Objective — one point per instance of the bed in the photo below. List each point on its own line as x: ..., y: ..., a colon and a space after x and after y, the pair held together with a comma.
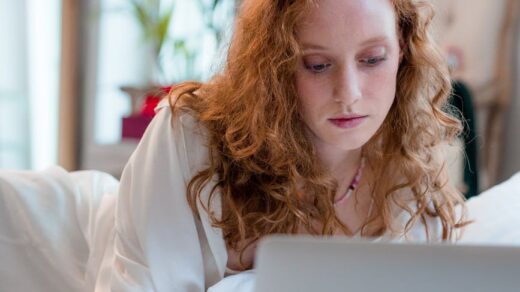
x: 56, y: 229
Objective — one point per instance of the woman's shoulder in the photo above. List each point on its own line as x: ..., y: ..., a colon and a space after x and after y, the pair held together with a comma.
x: 179, y: 117
x: 179, y: 133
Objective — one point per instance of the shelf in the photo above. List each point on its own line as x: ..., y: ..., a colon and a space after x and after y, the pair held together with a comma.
x: 110, y: 158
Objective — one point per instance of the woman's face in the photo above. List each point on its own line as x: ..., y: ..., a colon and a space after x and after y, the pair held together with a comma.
x: 346, y: 79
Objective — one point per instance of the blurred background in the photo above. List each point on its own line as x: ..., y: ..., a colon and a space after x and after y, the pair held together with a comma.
x: 79, y: 78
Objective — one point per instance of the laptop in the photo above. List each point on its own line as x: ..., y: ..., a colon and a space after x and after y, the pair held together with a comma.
x: 305, y: 264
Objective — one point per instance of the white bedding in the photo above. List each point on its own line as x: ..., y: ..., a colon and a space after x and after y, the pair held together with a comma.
x: 496, y: 215
x: 56, y: 229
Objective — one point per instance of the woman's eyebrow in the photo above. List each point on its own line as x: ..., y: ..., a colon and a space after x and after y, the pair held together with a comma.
x: 375, y: 40
x: 366, y: 43
x: 311, y: 46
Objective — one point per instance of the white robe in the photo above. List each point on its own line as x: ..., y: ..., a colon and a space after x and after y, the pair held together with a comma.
x: 159, y: 244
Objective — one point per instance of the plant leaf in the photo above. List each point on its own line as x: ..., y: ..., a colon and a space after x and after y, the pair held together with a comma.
x: 143, y: 17
x: 163, y: 27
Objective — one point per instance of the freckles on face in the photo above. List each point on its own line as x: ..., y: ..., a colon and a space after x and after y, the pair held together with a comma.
x: 346, y: 77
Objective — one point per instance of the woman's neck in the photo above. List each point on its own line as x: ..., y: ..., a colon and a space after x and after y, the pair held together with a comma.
x: 341, y: 164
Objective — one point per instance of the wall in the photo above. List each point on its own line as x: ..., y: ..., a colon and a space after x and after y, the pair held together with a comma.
x: 511, y: 158
x: 474, y: 27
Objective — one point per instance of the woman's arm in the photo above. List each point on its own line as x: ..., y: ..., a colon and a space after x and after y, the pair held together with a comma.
x: 156, y: 243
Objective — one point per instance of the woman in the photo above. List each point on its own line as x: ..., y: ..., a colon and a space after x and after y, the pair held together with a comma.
x: 327, y: 119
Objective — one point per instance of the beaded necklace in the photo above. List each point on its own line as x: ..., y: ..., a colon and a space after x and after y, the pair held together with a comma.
x: 353, y: 185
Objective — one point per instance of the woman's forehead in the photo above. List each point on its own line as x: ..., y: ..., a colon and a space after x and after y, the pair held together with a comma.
x: 354, y: 20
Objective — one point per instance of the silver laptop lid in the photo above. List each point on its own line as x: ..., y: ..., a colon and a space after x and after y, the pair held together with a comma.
x: 338, y: 264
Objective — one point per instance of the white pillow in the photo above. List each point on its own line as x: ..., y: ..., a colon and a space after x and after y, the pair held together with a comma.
x: 55, y: 229
x: 496, y: 215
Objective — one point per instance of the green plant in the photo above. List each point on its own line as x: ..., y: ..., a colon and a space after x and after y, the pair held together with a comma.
x: 155, y: 24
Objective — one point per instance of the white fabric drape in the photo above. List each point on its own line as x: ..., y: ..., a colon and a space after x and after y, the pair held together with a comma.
x: 14, y: 128
x: 29, y: 76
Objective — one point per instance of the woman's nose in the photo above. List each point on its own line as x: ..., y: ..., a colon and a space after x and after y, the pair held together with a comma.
x: 348, y: 87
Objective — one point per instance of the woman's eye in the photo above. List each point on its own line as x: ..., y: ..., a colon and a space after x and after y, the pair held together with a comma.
x: 373, y: 61
x: 317, y: 68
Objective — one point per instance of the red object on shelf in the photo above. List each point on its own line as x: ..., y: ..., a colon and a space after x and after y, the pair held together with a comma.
x: 135, y: 125
x: 150, y: 103
x: 152, y: 100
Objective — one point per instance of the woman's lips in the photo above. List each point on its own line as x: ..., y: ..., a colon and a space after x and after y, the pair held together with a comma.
x: 348, y: 122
